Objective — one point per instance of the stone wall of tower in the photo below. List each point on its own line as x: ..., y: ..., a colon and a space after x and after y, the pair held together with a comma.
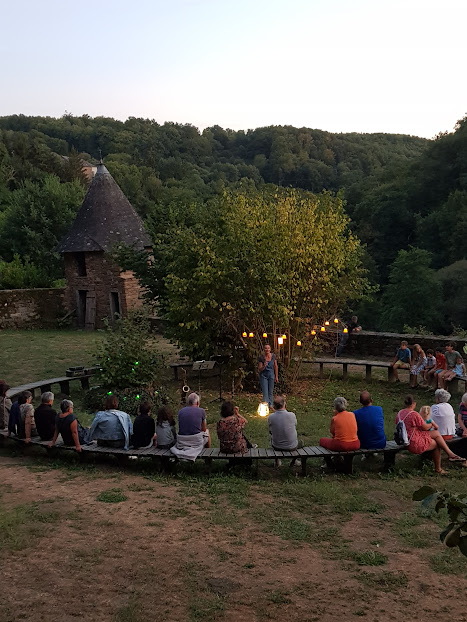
x: 103, y: 283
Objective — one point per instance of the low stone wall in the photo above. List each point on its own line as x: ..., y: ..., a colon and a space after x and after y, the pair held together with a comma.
x: 384, y: 345
x: 31, y: 308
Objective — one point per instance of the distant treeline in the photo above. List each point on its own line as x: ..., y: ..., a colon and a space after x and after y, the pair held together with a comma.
x: 400, y: 191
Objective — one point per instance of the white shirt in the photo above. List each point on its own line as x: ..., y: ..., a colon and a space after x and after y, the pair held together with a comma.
x: 443, y: 415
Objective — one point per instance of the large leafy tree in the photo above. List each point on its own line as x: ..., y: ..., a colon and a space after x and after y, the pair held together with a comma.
x: 276, y: 260
x: 413, y: 295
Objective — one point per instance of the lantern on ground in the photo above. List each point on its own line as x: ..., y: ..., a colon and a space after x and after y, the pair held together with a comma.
x: 263, y: 409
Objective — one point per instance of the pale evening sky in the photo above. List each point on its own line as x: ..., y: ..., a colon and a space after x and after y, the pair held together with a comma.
x: 337, y: 65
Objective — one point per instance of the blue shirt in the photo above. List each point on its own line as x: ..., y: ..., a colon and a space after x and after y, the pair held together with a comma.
x: 403, y: 355
x: 370, y: 423
x: 190, y: 420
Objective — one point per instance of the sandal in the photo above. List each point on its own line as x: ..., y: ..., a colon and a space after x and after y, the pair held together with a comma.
x: 441, y: 472
x: 457, y: 459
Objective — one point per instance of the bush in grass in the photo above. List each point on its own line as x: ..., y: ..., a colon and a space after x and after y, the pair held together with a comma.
x: 130, y: 365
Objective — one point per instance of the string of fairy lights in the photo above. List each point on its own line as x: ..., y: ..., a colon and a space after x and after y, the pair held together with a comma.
x: 281, y: 338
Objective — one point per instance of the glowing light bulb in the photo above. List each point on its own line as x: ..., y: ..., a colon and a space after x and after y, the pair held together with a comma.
x: 336, y: 321
x: 346, y: 330
x: 323, y: 330
x: 244, y: 334
x: 109, y: 392
x: 265, y: 335
x: 299, y: 343
x: 280, y: 340
x: 326, y: 323
x: 263, y: 410
x: 251, y: 335
x: 284, y: 336
x: 313, y: 332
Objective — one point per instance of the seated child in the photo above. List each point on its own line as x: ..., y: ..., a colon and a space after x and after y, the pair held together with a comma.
x: 431, y: 375
x: 402, y: 360
x: 165, y: 428
x: 457, y: 371
x: 430, y: 365
x: 425, y: 413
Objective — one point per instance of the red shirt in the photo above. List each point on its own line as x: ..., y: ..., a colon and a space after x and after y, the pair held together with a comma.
x: 440, y: 361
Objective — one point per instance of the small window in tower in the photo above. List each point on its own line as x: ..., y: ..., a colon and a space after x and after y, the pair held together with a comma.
x: 80, y: 264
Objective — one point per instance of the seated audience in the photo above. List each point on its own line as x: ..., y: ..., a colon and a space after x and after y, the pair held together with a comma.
x: 166, y: 434
x: 66, y: 425
x: 370, y: 423
x: 144, y: 428
x: 442, y: 413
x: 424, y: 436
x: 462, y: 416
x: 431, y: 376
x: 111, y: 427
x: 418, y: 364
x: 451, y: 358
x: 343, y: 429
x: 5, y: 406
x: 14, y: 422
x: 27, y: 427
x: 402, y: 360
x: 45, y: 416
x: 193, y: 434
x: 230, y: 430
x: 283, y: 428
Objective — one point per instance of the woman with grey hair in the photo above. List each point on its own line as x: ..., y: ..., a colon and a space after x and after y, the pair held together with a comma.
x: 442, y: 413
x: 343, y: 429
x: 27, y: 425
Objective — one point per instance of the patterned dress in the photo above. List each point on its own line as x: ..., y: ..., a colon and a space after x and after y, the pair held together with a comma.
x: 230, y: 435
x: 420, y: 440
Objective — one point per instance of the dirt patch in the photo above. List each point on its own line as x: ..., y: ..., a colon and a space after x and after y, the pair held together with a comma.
x: 164, y: 554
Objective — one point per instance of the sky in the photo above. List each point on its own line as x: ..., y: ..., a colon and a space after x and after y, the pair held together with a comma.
x: 337, y: 65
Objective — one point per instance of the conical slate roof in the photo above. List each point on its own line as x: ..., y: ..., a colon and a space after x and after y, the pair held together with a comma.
x: 105, y: 218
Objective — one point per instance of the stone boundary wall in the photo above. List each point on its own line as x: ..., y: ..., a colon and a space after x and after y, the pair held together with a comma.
x: 31, y: 308
x: 384, y: 345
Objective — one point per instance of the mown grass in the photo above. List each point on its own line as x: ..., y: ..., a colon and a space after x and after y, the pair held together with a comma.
x: 22, y: 524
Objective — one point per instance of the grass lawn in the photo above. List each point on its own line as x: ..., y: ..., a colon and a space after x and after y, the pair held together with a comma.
x: 244, y: 546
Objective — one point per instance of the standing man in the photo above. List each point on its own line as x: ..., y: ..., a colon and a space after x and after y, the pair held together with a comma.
x: 370, y: 423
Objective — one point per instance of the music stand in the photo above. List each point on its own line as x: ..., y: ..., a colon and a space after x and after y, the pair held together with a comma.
x: 199, y: 366
x: 220, y: 359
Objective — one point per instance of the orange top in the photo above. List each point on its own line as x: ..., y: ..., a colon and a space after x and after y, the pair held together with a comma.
x: 344, y: 427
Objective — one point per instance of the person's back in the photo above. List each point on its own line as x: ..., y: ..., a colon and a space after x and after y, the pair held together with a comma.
x: 63, y: 423
x: 370, y: 427
x: 45, y: 417
x: 190, y: 420
x: 345, y: 427
x: 283, y: 428
x: 111, y: 427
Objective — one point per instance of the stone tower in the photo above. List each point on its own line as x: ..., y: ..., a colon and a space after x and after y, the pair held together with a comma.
x: 95, y: 286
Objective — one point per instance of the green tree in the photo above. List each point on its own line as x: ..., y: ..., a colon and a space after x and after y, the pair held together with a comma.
x: 36, y: 218
x: 413, y: 295
x: 276, y: 260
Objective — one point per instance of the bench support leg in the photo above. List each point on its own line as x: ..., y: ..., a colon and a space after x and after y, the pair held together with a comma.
x: 175, y: 370
x: 391, y: 376
x: 321, y: 370
x: 85, y: 383
x: 389, y: 460
x: 348, y: 465
x: 303, y: 461
x: 65, y: 387
x: 208, y: 465
x: 344, y: 371
x: 368, y: 373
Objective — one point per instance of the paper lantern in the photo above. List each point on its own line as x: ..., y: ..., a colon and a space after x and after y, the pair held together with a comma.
x: 326, y: 323
x: 313, y: 332
x: 265, y: 335
x: 280, y: 341
x: 263, y: 409
x: 346, y: 330
x: 299, y: 343
x: 336, y: 321
x: 323, y: 329
x: 284, y: 336
x: 244, y: 334
x: 251, y: 335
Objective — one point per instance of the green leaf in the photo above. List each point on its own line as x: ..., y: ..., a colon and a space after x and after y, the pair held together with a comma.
x: 423, y: 492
